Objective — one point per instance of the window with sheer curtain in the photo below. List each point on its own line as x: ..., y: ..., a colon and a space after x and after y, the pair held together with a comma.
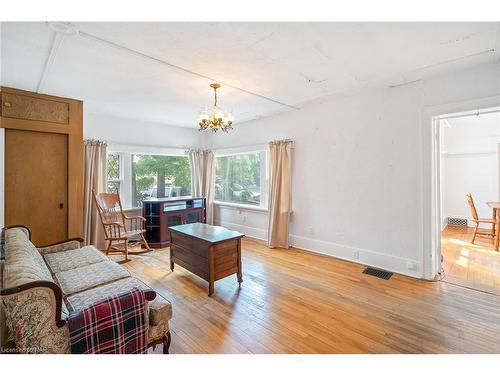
x: 242, y: 179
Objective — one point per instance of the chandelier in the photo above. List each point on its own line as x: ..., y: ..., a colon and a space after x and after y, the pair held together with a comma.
x: 217, y: 119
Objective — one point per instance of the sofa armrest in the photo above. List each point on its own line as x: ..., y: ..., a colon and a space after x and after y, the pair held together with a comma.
x: 69, y: 244
x: 150, y: 294
x: 5, y: 293
x: 33, y: 317
x: 26, y: 229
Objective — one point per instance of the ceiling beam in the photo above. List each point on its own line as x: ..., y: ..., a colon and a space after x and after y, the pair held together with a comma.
x: 54, y: 48
x: 497, y: 44
x: 177, y: 67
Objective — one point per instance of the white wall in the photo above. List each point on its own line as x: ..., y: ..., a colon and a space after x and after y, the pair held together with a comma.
x: 470, y: 164
x: 361, y: 170
x: 116, y: 130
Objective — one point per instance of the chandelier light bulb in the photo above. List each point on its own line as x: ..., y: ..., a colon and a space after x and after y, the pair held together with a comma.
x: 203, y: 115
x: 218, y: 113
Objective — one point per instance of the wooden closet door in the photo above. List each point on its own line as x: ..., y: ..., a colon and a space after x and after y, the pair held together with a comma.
x: 36, y: 183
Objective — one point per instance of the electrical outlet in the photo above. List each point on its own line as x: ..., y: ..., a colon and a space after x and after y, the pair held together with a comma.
x: 310, y: 230
x: 411, y: 266
x: 355, y: 254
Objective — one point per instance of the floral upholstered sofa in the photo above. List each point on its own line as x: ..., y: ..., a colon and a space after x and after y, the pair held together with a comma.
x: 41, y: 286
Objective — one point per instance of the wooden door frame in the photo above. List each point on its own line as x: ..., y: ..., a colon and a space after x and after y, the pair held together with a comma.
x: 74, y: 131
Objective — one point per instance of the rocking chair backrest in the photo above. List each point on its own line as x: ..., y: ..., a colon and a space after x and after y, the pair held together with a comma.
x: 110, y: 208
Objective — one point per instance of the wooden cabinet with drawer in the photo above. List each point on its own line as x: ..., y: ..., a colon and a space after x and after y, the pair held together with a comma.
x: 210, y: 252
x: 163, y: 213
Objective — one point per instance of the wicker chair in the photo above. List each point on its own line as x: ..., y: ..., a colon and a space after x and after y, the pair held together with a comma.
x: 119, y: 229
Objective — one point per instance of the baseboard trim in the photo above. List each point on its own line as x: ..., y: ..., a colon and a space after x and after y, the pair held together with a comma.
x: 366, y: 257
x: 257, y: 233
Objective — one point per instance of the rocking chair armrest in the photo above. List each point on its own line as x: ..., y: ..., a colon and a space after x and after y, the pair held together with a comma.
x: 142, y: 218
x: 114, y: 223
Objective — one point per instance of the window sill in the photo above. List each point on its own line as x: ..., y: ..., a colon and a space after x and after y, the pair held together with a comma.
x: 241, y: 206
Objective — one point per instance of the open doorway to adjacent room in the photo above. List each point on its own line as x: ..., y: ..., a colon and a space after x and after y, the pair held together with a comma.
x: 469, y: 191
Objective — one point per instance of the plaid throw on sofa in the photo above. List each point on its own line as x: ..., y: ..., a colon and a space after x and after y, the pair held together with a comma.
x: 116, y: 325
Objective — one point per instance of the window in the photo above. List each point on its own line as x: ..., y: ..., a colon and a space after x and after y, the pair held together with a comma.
x: 242, y: 179
x: 157, y: 176
x: 114, y: 173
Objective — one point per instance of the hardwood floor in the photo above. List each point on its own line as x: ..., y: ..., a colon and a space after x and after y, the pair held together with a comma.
x: 292, y: 301
x: 472, y: 265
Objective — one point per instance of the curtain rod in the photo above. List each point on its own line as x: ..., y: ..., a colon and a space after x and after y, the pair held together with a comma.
x: 266, y: 145
x: 242, y: 146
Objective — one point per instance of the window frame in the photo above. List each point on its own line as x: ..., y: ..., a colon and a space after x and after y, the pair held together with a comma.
x: 126, y: 153
x: 132, y: 154
x: 120, y: 170
x: 264, y: 176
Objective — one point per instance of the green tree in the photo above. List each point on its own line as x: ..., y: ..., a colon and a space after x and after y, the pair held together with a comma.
x: 237, y: 176
x: 160, y: 171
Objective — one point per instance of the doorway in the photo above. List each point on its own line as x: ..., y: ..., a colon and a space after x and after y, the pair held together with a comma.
x: 469, y: 163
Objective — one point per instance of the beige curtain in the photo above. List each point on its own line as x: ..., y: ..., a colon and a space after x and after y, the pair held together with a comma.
x: 203, y: 178
x: 95, y: 165
x: 280, y: 193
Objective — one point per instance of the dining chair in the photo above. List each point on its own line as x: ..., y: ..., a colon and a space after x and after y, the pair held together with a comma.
x: 478, y: 232
x: 120, y: 230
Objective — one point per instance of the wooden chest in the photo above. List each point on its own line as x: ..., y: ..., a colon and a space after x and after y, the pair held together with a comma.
x: 210, y: 252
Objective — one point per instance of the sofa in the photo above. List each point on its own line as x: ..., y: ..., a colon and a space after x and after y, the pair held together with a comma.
x: 42, y: 286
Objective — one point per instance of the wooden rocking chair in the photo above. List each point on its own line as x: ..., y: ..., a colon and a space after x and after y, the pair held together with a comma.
x: 119, y: 229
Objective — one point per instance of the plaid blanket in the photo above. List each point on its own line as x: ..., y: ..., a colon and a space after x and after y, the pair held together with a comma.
x: 116, y: 325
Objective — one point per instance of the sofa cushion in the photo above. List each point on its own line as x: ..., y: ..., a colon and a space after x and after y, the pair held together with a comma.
x: 83, y: 278
x: 23, y: 262
x: 70, y: 259
x: 160, y: 310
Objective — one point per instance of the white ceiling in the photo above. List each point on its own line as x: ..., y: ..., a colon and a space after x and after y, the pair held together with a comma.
x: 291, y: 63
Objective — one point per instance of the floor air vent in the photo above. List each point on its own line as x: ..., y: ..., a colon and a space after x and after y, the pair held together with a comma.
x: 381, y: 274
x: 456, y: 221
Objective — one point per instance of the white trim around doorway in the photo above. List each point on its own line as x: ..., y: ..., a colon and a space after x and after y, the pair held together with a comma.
x: 431, y: 185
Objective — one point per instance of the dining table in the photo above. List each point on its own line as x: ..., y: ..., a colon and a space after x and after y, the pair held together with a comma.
x: 495, y: 206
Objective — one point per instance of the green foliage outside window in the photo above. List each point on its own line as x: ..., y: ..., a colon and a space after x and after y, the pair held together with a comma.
x: 160, y: 176
x: 237, y: 178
